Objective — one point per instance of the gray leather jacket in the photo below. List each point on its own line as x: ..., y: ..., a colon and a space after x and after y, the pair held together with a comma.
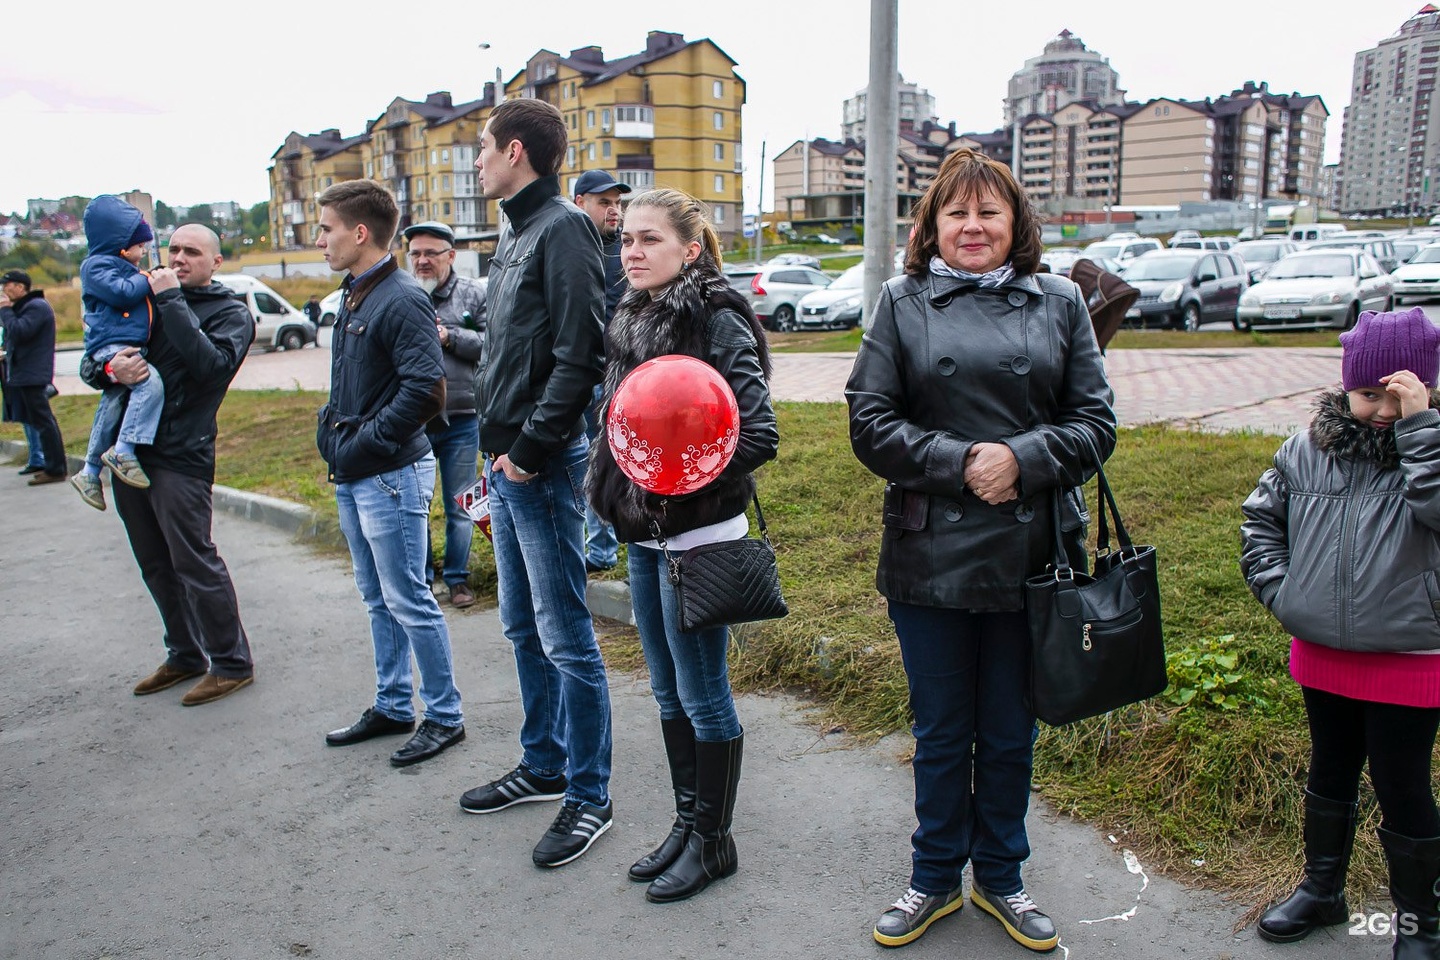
x: 460, y: 305
x: 947, y: 364
x: 1342, y: 535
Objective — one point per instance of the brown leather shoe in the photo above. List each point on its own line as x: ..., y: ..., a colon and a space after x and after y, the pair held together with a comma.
x: 213, y: 688
x: 164, y: 677
x: 43, y: 477
x: 461, y: 596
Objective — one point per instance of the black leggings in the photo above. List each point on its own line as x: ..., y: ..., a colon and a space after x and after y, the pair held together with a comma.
x: 1399, y: 742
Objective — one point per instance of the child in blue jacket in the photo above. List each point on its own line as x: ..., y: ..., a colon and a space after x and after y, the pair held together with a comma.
x: 119, y: 311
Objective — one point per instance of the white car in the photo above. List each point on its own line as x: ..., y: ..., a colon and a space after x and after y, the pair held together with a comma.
x: 836, y: 307
x: 278, y: 325
x: 1316, y: 288
x: 1418, y: 278
x: 330, y: 307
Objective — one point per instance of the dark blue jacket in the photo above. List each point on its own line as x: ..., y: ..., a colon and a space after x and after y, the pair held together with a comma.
x: 387, y: 377
x: 29, y: 341
x: 114, y: 292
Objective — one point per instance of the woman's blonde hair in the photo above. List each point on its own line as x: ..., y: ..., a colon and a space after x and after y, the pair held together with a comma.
x: 686, y: 217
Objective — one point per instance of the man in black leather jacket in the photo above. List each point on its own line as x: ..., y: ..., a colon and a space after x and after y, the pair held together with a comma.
x: 544, y: 353
x: 199, y: 340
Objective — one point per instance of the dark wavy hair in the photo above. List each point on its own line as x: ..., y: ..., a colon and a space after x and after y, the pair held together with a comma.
x: 963, y: 175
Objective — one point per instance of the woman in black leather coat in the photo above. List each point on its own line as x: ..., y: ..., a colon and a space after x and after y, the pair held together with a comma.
x: 979, y: 394
x: 679, y: 303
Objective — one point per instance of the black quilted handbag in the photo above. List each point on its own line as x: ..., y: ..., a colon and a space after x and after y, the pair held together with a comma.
x: 734, y: 581
x: 1095, y: 641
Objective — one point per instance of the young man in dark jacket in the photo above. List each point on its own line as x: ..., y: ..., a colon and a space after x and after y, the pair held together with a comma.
x: 29, y: 326
x: 544, y: 353
x: 387, y: 380
x: 460, y: 321
x: 200, y: 337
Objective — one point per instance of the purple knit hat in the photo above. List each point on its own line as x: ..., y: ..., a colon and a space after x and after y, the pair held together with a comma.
x: 1383, y: 343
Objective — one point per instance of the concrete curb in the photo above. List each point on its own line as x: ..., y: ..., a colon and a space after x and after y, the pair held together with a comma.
x: 605, y: 598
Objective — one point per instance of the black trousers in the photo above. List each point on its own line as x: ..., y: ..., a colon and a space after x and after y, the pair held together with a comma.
x: 169, y: 529
x: 1398, y: 742
x: 34, y: 408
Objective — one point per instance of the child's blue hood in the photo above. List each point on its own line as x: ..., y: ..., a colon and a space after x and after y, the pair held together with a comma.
x: 109, y: 223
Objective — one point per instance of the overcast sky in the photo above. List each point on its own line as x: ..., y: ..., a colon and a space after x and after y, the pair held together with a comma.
x: 188, y: 101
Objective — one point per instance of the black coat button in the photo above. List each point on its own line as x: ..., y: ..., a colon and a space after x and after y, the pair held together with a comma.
x: 1020, y: 365
x: 1016, y: 298
x: 953, y: 512
x: 943, y: 302
x: 1024, y: 513
x: 946, y: 366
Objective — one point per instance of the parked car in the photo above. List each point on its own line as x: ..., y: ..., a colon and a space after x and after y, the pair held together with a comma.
x: 278, y: 325
x: 1407, y: 247
x: 1060, y: 259
x: 1261, y: 255
x: 1418, y: 279
x: 1306, y: 233
x: 822, y: 238
x: 1184, y: 235
x: 796, y: 260
x: 1380, y: 248
x: 774, y: 291
x: 838, y: 306
x: 1202, y: 243
x: 1185, y: 288
x: 1121, y: 251
x: 1317, y: 288
x: 330, y: 306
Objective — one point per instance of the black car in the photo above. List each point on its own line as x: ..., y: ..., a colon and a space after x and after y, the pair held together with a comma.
x: 1185, y: 288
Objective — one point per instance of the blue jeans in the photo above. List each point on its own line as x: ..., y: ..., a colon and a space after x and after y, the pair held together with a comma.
x: 974, y: 744
x: 541, y: 571
x: 36, y: 456
x: 688, y: 673
x: 384, y: 519
x: 129, y: 413
x: 456, y: 451
x: 601, y: 547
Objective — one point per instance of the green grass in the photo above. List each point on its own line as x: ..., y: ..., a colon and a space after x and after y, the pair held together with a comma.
x: 1209, y: 790
x: 1219, y: 339
x: 816, y: 341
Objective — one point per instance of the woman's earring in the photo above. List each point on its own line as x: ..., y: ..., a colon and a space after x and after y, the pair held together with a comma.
x: 684, y: 266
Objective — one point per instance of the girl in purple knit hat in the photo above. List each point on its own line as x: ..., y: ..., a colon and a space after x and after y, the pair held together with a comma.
x: 1342, y: 544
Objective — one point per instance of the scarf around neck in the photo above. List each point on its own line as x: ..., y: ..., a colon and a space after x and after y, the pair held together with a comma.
x: 998, y: 277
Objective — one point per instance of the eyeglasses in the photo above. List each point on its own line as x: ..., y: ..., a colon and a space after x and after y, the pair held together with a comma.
x: 429, y: 254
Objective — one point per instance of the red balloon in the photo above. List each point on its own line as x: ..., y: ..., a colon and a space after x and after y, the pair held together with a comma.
x: 673, y: 424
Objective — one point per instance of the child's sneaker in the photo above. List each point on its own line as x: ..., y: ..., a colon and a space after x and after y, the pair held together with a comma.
x: 90, y: 489
x: 125, y: 468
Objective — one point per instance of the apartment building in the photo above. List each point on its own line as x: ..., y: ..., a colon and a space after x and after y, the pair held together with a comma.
x: 1268, y: 145
x: 1064, y: 73
x: 303, y: 167
x: 424, y: 151
x: 1390, y: 138
x: 917, y: 107
x: 1073, y: 154
x: 668, y: 116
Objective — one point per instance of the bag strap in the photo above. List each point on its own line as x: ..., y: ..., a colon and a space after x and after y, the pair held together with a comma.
x: 674, y: 564
x: 1102, y: 540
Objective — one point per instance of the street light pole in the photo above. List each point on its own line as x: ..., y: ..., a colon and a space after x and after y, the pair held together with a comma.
x: 497, y: 92
x: 882, y: 137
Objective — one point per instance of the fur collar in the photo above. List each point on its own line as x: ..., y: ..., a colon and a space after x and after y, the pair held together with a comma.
x: 1336, y: 431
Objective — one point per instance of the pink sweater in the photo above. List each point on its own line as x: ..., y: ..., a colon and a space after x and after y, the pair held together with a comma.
x: 1405, y: 679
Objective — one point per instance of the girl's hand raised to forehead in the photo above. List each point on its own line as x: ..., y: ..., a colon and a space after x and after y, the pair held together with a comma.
x: 1413, y: 395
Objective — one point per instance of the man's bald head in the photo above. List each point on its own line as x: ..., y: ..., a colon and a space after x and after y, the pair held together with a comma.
x: 194, y: 254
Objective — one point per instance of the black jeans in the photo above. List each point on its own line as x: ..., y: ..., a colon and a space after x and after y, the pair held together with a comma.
x: 36, y: 407
x: 169, y: 529
x: 1398, y: 741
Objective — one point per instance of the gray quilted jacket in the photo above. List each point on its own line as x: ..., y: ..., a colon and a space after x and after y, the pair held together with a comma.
x: 1341, y: 538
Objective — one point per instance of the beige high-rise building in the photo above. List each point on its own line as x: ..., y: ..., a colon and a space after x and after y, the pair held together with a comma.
x: 1390, y: 140
x: 1064, y: 73
x: 1073, y: 154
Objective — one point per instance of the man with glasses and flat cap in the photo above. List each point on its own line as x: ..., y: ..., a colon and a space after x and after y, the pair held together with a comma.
x: 455, y: 436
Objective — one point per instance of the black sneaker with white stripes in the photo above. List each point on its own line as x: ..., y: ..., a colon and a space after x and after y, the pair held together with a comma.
x: 517, y: 786
x: 576, y: 826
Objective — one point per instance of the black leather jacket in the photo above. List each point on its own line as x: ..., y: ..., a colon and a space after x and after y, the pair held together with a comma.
x: 544, y: 338
x: 947, y: 364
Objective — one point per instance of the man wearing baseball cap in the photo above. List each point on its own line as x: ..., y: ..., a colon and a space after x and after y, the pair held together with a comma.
x: 598, y: 194
x: 29, y: 326
x: 460, y: 318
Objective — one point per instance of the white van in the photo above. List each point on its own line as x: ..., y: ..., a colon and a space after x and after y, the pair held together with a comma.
x: 278, y: 325
x: 1305, y: 233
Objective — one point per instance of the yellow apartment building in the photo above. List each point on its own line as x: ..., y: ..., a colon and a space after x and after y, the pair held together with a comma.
x: 301, y: 169
x: 668, y: 116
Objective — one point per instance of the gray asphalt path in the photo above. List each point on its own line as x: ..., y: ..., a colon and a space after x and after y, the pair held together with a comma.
x: 133, y: 827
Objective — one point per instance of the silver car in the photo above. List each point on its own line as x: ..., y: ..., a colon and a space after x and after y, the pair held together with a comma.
x: 1418, y: 279
x: 774, y: 291
x: 838, y: 306
x: 1317, y: 288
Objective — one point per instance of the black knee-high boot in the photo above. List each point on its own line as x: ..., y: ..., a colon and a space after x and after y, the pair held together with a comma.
x: 679, y: 738
x: 1319, y: 901
x: 709, y: 850
x: 1414, y: 877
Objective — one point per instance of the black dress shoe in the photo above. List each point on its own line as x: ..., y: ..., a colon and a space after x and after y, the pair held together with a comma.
x: 429, y: 740
x: 29, y: 469
x: 370, y: 725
